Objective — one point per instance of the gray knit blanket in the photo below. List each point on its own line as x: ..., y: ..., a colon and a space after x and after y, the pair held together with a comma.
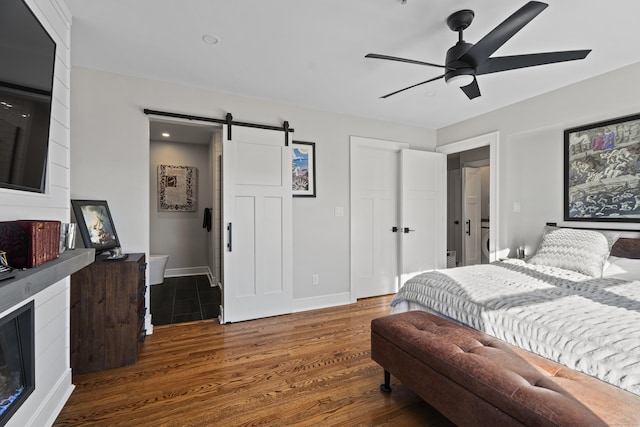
x: 590, y: 325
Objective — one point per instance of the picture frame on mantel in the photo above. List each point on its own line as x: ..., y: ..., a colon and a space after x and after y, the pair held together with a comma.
x: 602, y: 171
x: 303, y: 169
x: 95, y: 224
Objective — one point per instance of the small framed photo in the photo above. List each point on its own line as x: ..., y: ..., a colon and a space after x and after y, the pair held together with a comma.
x: 602, y: 171
x: 95, y: 224
x: 303, y: 169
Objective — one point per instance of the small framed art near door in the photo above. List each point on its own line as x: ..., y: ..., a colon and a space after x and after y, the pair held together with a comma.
x: 303, y: 169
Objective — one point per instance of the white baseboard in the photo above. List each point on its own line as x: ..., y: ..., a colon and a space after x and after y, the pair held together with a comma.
x: 311, y: 303
x: 50, y: 408
x: 148, y: 323
x: 191, y: 271
x: 324, y: 301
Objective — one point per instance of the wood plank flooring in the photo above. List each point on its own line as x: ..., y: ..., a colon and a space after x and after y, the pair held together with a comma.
x: 303, y: 369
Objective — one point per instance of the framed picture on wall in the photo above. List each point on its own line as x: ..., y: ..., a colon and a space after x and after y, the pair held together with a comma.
x: 303, y: 168
x: 602, y: 171
x: 177, y: 188
x: 95, y: 224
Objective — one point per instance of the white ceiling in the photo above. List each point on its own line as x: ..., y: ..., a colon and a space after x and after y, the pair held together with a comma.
x: 311, y: 53
x: 173, y: 131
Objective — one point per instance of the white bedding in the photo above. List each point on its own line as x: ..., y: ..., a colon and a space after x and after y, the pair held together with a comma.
x: 588, y: 324
x: 622, y: 268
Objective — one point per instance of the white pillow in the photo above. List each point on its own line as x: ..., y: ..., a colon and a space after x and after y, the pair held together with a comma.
x: 611, y: 236
x: 582, y: 251
x: 622, y: 268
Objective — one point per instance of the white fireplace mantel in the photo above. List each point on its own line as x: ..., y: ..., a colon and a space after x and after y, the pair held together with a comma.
x: 48, y: 286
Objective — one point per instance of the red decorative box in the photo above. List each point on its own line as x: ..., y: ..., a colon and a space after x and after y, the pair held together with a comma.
x: 30, y: 243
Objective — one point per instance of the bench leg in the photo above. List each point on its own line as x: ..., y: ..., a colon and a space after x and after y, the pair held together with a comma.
x: 386, y: 387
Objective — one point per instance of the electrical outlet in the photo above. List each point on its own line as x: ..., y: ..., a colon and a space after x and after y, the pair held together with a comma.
x: 315, y: 279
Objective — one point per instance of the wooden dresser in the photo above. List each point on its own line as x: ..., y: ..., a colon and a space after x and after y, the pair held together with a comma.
x: 107, y: 314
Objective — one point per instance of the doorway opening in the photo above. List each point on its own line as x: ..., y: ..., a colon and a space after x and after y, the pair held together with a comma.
x: 190, y: 237
x: 468, y: 207
x: 481, y: 228
x: 255, y: 194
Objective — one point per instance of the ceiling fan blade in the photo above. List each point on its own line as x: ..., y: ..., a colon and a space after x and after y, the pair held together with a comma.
x: 394, y: 58
x: 412, y: 86
x: 482, y: 50
x: 472, y: 90
x: 504, y: 63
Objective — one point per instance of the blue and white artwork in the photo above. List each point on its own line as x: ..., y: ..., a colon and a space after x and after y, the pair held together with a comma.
x: 301, y: 169
x: 303, y: 174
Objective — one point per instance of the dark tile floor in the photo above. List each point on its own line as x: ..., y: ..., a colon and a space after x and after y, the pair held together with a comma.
x: 184, y: 299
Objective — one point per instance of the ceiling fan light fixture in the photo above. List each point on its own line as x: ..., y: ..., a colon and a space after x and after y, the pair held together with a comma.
x: 464, y: 60
x: 461, y: 80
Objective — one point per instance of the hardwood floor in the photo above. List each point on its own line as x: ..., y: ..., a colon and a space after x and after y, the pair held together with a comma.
x: 310, y: 368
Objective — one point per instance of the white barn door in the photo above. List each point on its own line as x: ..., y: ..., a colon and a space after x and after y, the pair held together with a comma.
x: 257, y: 212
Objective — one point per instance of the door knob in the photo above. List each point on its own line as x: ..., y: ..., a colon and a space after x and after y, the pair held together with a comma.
x: 407, y: 230
x: 468, y: 227
x: 394, y: 229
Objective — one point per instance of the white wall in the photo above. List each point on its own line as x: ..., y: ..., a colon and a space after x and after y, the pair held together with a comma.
x: 110, y: 157
x: 180, y: 234
x: 53, y: 372
x: 531, y: 148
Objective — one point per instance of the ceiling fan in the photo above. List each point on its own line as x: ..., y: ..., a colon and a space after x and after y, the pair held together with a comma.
x: 465, y: 61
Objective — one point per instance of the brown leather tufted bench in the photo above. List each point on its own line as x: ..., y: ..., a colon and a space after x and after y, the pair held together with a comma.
x: 475, y: 379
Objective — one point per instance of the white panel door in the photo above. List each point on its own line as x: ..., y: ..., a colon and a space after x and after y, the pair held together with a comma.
x: 374, y: 213
x: 257, y: 212
x: 471, y: 187
x: 423, y: 199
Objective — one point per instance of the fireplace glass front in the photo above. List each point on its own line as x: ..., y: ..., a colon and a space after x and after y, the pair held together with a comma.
x: 17, y: 360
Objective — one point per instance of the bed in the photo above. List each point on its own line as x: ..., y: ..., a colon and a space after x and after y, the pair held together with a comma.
x: 576, y: 302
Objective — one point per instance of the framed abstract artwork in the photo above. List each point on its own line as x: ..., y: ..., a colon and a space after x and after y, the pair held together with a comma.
x: 177, y: 188
x: 303, y: 169
x: 602, y: 171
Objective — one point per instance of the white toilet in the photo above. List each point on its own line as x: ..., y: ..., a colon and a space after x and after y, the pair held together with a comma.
x: 157, y: 265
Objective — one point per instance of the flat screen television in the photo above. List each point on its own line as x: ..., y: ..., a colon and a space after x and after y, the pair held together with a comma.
x: 27, y: 59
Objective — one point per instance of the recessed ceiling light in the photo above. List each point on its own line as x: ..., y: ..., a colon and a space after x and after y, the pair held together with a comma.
x: 166, y: 134
x: 209, y: 39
